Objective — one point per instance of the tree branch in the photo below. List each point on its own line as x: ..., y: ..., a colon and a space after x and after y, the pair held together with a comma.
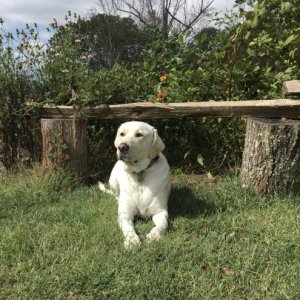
x: 133, y: 11
x: 174, y: 18
x: 201, y: 12
x: 147, y: 11
x: 176, y: 8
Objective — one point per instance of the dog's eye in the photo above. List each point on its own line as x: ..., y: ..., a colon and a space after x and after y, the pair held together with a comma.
x: 138, y: 135
x: 122, y: 134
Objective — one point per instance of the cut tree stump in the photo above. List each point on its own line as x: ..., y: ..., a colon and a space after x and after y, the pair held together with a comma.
x: 65, y: 144
x: 271, y: 159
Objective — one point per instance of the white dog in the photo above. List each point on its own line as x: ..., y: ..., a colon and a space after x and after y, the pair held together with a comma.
x: 140, y: 180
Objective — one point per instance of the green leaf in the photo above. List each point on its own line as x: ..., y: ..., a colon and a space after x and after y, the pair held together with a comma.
x: 209, y: 175
x: 200, y: 160
x: 251, y: 52
x: 203, y: 37
x: 180, y: 38
x: 289, y: 40
x: 186, y: 155
x: 256, y: 68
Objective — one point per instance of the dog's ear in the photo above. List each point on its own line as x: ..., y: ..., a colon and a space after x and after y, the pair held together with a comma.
x: 157, y: 145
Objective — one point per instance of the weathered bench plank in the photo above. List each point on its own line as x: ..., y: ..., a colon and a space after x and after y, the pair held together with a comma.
x: 291, y: 88
x: 147, y: 110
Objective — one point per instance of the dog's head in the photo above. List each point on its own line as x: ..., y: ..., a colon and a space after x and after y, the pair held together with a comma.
x: 137, y: 141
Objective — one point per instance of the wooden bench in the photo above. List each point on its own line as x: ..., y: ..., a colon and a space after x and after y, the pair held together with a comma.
x: 271, y: 158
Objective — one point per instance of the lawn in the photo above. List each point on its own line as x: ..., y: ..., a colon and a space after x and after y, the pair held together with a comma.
x: 60, y: 240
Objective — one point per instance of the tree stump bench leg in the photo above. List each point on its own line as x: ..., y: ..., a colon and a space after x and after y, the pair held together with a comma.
x: 65, y: 144
x: 271, y: 159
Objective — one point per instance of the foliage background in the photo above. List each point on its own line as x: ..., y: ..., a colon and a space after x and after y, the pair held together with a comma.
x: 246, y: 56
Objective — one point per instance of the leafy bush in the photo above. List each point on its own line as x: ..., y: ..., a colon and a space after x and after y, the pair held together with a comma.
x: 263, y: 48
x: 21, y: 56
x: 247, y: 58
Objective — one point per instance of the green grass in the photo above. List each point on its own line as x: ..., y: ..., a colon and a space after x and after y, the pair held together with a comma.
x: 62, y: 241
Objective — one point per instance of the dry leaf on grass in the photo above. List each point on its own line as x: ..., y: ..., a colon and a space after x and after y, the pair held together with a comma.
x: 226, y: 271
x: 203, y: 229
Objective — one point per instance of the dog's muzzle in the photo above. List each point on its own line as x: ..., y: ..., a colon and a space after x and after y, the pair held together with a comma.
x: 123, y: 148
x: 122, y: 152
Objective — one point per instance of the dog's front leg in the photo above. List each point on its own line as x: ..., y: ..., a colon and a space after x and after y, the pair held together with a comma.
x: 161, y: 224
x: 131, y: 238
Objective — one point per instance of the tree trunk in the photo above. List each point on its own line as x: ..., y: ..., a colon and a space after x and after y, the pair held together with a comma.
x: 271, y: 160
x: 1, y: 141
x: 3, y: 170
x: 65, y: 144
x: 164, y: 19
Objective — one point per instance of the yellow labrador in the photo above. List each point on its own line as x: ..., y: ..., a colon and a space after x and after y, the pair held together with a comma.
x: 140, y: 180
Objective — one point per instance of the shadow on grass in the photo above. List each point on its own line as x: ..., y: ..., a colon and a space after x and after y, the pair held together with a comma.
x: 184, y: 203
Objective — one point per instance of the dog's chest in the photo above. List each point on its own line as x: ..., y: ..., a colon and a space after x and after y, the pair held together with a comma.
x: 141, y: 192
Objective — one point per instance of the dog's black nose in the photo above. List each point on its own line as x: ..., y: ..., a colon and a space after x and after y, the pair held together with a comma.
x: 123, y: 147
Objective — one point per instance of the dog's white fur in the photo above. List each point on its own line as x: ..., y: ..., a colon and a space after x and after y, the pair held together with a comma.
x: 140, y: 180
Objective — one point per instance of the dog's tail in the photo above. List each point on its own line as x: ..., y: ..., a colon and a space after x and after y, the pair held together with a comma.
x: 104, y: 189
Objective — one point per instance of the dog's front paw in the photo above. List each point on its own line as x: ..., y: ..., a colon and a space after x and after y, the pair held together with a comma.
x: 155, y: 235
x: 132, y: 241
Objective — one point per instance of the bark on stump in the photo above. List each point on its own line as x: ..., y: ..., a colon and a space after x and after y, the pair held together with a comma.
x: 271, y: 160
x: 65, y: 144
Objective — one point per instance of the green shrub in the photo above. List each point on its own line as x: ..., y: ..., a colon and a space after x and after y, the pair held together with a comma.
x: 21, y: 57
x: 247, y: 58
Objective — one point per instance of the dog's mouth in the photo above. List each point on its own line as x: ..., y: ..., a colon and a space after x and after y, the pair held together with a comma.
x: 123, y: 156
x: 126, y: 158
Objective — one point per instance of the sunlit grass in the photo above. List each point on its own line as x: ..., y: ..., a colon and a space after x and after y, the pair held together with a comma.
x: 60, y: 240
